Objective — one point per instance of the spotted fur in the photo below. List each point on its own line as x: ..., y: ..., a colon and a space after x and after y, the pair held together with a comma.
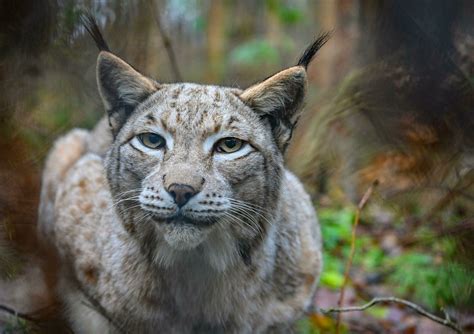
x: 243, y: 255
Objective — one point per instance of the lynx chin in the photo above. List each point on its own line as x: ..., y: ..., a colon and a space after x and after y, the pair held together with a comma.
x: 176, y: 213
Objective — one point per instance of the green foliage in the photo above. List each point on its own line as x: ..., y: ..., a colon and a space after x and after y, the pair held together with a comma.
x: 424, y: 278
x: 287, y: 15
x: 305, y: 326
x: 420, y: 275
x: 200, y: 24
x: 319, y: 324
x: 331, y: 277
x: 378, y: 312
x: 373, y: 258
x: 336, y: 225
x: 255, y: 52
x: 16, y: 326
x: 69, y: 21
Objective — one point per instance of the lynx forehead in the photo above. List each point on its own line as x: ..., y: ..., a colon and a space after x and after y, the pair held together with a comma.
x: 197, y: 107
x: 179, y: 214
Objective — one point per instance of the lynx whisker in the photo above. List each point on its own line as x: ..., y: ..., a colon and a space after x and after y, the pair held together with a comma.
x: 253, y: 209
x: 251, y: 220
x: 235, y: 218
x: 252, y: 205
x: 128, y: 199
x: 127, y: 209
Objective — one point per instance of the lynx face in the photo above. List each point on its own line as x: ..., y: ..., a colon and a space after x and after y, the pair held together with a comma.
x: 197, y: 158
x: 196, y: 167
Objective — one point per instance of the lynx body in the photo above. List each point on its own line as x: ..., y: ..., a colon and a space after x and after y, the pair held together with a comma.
x: 176, y: 214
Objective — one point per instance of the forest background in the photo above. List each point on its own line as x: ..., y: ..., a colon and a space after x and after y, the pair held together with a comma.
x: 390, y: 102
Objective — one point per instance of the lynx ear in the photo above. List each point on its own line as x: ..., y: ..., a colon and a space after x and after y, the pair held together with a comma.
x: 279, y: 98
x: 121, y: 87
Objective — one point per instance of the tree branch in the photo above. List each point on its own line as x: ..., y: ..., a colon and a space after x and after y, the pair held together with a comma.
x: 445, y: 322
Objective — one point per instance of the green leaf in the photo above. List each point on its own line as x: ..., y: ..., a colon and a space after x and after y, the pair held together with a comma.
x: 332, y: 279
x: 379, y: 312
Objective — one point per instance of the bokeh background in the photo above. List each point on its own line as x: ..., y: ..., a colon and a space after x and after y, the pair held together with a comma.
x: 390, y: 98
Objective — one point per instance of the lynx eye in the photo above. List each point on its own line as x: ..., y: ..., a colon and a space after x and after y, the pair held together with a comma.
x: 229, y: 145
x: 152, y: 140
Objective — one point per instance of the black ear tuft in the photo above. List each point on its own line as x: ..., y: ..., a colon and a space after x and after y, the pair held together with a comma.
x: 311, y: 50
x: 90, y: 23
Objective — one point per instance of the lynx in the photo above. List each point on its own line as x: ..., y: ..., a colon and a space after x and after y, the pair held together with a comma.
x: 176, y: 213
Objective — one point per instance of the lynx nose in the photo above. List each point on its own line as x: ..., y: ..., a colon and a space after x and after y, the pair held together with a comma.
x: 181, y: 193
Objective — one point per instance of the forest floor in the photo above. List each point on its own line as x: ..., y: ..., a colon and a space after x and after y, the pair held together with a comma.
x: 395, y: 257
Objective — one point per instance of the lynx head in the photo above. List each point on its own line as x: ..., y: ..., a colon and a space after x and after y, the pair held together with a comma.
x: 196, y: 169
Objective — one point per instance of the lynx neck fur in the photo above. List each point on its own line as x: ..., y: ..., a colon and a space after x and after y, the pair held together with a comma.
x: 176, y: 213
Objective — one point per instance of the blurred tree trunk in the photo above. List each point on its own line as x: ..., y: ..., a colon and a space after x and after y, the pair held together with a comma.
x: 216, y: 37
x: 328, y: 17
x: 25, y: 32
x: 133, y: 34
x: 273, y: 26
x: 334, y: 60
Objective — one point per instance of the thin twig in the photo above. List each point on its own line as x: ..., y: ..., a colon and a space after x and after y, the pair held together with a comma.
x: 361, y: 205
x: 166, y: 41
x: 445, y: 322
x: 17, y: 314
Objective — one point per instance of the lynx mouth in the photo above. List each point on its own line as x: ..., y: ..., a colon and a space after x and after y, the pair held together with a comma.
x: 182, y: 220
